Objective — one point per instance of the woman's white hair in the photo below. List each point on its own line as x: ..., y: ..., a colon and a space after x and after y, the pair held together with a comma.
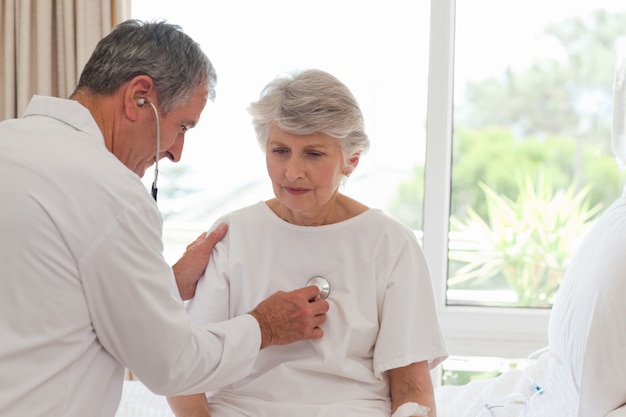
x: 310, y: 101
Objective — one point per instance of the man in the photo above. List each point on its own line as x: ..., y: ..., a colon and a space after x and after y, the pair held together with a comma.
x: 85, y: 289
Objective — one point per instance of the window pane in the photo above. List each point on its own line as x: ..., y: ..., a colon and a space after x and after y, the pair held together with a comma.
x: 378, y: 49
x: 532, y: 162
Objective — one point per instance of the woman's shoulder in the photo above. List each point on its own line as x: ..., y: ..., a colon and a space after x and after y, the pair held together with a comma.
x: 243, y: 213
x: 380, y: 216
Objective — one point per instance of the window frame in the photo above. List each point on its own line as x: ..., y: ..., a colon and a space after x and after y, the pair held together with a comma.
x: 470, y: 331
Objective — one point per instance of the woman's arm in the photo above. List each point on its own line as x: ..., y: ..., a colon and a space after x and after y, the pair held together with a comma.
x: 412, y: 383
x: 189, y: 405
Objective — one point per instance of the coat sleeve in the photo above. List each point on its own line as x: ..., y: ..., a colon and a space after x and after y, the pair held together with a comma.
x: 137, y: 320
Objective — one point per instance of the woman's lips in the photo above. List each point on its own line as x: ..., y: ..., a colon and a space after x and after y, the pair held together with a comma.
x: 296, y: 190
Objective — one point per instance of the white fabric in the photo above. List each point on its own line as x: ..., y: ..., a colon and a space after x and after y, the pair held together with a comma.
x: 587, y: 329
x: 382, y: 311
x: 620, y: 412
x: 411, y: 410
x: 139, y: 401
x: 85, y: 288
x: 558, y: 398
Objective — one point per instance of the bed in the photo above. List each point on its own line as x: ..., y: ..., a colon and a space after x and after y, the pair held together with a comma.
x: 539, y: 388
x: 583, y: 372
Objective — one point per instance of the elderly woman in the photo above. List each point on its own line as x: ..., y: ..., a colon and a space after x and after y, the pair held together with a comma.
x: 382, y: 335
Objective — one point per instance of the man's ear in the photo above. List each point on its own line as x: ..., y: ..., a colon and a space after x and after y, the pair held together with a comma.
x: 138, y: 92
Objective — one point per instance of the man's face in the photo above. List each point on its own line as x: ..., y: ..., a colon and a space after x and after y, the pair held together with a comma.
x: 173, y: 128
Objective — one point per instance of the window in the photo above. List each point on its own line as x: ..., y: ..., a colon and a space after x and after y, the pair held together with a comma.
x: 519, y: 161
x: 517, y: 97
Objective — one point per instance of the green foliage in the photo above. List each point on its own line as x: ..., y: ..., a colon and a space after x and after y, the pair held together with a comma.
x: 494, y: 156
x: 527, y: 241
x: 457, y: 377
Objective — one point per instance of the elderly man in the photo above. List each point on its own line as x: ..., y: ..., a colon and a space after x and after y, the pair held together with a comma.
x: 86, y: 291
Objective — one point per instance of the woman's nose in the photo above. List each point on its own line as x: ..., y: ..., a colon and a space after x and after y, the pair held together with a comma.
x: 295, y: 169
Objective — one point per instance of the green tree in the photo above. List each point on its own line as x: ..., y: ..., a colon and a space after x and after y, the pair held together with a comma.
x: 571, y: 96
x: 495, y: 157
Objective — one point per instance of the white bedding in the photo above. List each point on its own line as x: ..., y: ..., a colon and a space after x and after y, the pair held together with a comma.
x: 558, y: 397
x: 138, y: 401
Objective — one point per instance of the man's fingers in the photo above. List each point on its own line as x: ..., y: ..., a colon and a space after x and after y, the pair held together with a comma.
x: 317, y: 333
x: 192, y: 264
x: 310, y: 292
x: 288, y: 317
x: 211, y: 238
x: 319, y: 308
x: 218, y: 233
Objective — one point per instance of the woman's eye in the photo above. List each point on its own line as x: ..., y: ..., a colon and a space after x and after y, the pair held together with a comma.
x: 280, y: 151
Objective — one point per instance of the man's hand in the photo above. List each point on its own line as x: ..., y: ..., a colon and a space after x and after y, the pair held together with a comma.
x: 192, y: 264
x: 287, y: 317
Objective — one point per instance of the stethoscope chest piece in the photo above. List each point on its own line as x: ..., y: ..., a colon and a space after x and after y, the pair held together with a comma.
x: 321, y: 283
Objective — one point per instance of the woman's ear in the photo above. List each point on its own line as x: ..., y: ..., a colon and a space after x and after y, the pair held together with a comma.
x: 352, y: 164
x: 354, y: 160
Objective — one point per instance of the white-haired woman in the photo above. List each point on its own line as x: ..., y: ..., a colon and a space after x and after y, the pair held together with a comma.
x: 382, y: 335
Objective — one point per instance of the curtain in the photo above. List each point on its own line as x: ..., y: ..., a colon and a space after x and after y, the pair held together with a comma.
x: 44, y: 45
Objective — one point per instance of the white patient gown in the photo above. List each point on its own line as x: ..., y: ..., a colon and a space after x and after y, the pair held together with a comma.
x: 382, y: 312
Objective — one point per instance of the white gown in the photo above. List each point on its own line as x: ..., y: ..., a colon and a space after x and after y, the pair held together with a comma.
x: 382, y: 311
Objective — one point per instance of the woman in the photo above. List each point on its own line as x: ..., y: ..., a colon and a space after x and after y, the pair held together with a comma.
x: 382, y: 335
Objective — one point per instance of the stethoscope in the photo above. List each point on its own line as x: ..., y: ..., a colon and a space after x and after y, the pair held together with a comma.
x: 142, y: 101
x: 321, y: 283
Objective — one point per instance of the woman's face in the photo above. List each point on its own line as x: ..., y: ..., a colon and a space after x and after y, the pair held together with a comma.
x: 306, y: 171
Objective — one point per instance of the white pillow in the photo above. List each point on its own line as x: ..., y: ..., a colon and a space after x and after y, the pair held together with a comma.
x: 587, y: 329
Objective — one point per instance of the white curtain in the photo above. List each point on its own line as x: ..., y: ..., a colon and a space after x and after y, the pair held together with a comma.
x: 44, y: 45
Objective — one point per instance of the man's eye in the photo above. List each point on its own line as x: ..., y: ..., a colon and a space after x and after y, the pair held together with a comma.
x: 183, y: 128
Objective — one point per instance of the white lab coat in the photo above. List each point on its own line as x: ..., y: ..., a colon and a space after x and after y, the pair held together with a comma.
x: 85, y: 289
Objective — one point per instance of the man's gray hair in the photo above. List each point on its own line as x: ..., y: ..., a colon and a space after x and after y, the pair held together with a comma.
x: 160, y: 50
